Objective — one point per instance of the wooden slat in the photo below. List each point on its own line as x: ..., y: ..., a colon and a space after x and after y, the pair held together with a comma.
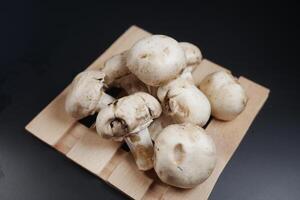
x: 227, y: 136
x: 70, y: 138
x: 156, y: 191
x: 53, y: 122
x: 93, y: 152
x: 113, y: 163
x: 127, y: 178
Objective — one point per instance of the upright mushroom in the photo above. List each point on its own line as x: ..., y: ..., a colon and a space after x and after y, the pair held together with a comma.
x: 227, y: 97
x: 184, y: 155
x: 129, y: 117
x: 86, y: 95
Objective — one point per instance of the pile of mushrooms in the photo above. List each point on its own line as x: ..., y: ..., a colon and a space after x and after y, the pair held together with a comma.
x: 161, y: 112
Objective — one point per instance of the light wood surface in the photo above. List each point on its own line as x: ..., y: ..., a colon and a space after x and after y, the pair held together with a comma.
x: 93, y: 152
x: 108, y: 161
x: 127, y: 178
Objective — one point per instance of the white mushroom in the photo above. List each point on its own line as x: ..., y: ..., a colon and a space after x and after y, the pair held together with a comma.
x: 193, y: 58
x: 131, y: 84
x: 129, y: 117
x: 86, y: 95
x: 156, y: 59
x: 115, y: 68
x: 184, y: 155
x: 227, y: 97
x: 192, y: 53
x: 184, y: 102
x: 118, y: 75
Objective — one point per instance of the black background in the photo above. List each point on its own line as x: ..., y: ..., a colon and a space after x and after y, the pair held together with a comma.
x: 44, y: 45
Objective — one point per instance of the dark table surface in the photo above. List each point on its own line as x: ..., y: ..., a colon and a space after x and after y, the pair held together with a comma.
x: 43, y: 46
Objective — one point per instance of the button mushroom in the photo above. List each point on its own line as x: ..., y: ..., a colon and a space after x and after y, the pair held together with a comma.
x: 156, y: 59
x: 131, y: 84
x: 193, y: 58
x: 184, y: 102
x: 192, y: 53
x: 227, y: 97
x: 86, y: 95
x: 129, y: 117
x: 184, y: 155
x: 118, y: 75
x: 115, y: 68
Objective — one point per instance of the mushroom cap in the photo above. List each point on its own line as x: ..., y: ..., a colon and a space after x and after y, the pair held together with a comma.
x: 192, y: 53
x: 184, y: 155
x: 156, y: 59
x: 115, y: 67
x: 84, y: 94
x: 184, y: 102
x: 227, y: 97
x: 127, y: 115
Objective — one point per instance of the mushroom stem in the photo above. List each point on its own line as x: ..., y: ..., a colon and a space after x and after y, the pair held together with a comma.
x: 104, y: 101
x: 140, y: 143
x: 129, y: 117
x: 141, y: 147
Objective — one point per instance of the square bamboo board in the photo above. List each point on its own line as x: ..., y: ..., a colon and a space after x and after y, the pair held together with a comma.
x: 108, y: 161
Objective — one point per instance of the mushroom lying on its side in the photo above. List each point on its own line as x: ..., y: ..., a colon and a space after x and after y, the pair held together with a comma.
x: 193, y: 58
x: 192, y: 53
x: 115, y: 68
x: 227, y: 97
x: 184, y: 155
x: 86, y: 95
x: 129, y: 117
x: 131, y: 84
x: 118, y: 75
x: 184, y: 102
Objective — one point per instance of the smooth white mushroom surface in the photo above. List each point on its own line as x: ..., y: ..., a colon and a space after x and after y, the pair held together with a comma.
x: 227, y: 97
x: 184, y: 102
x: 115, y: 68
x: 156, y: 59
x: 193, y: 58
x: 86, y: 95
x: 184, y: 155
x: 192, y: 53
